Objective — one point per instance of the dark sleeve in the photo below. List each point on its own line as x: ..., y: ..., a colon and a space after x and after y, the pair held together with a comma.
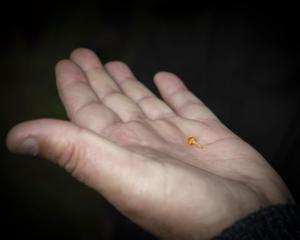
x: 278, y: 222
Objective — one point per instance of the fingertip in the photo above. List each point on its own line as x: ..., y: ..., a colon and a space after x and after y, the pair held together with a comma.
x: 61, y: 64
x: 168, y: 82
x: 165, y: 76
x: 85, y: 58
x: 79, y: 52
x: 65, y: 66
x: 67, y: 72
x: 35, y: 130
x: 162, y: 74
x: 119, y: 70
x: 16, y: 136
x: 9, y: 140
x: 111, y: 65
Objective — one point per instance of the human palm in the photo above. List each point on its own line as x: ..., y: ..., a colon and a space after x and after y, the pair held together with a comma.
x: 132, y: 148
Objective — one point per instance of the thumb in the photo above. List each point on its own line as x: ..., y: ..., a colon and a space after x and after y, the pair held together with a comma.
x: 90, y: 158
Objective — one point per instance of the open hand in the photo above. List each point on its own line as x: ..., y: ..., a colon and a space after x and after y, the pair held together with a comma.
x: 132, y: 147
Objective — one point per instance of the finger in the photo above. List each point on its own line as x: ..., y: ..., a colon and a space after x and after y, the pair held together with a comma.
x: 100, y: 164
x: 80, y: 101
x: 153, y: 107
x: 176, y: 94
x: 105, y: 87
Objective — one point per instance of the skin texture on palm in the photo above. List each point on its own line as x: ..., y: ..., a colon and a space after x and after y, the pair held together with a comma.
x: 131, y: 147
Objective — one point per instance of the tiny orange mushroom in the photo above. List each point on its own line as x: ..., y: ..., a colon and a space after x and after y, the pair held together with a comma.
x: 193, y: 141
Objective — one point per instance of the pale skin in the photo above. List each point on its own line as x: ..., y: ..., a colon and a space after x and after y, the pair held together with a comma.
x: 132, y: 148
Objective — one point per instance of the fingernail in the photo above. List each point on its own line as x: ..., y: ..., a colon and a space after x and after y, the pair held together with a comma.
x: 29, y: 147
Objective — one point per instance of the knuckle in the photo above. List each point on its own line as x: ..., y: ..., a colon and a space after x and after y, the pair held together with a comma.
x: 85, y: 108
x: 69, y: 158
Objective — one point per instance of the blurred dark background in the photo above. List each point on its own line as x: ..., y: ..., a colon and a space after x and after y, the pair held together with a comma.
x: 241, y: 59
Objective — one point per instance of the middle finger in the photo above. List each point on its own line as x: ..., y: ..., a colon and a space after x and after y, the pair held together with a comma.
x: 105, y: 87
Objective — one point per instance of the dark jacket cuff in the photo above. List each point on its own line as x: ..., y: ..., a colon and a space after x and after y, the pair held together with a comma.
x: 278, y: 222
